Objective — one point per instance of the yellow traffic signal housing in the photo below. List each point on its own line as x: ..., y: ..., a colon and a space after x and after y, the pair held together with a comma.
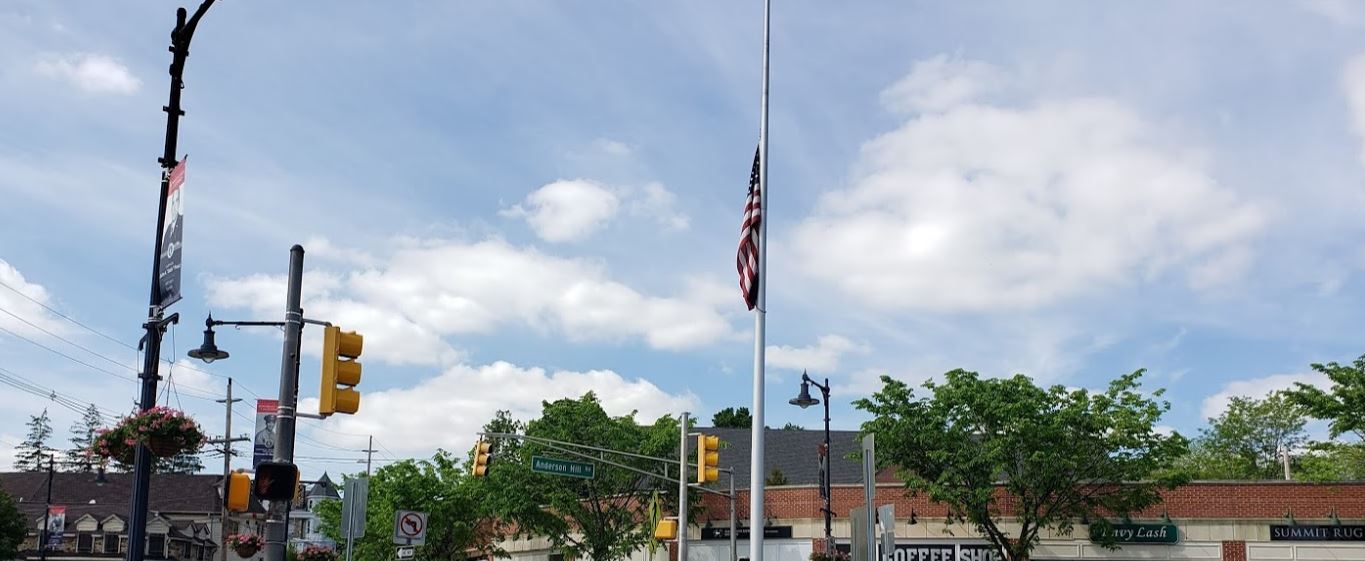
x: 483, y: 454
x: 340, y: 371
x: 666, y: 530
x: 237, y: 493
x: 708, y: 458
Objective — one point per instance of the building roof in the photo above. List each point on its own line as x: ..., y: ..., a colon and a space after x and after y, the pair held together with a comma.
x: 794, y: 452
x: 84, y: 493
x: 324, y: 488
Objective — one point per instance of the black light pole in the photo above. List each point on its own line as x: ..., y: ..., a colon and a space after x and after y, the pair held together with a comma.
x: 803, y: 401
x: 155, y: 324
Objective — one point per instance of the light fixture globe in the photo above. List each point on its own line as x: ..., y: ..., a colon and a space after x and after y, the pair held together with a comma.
x: 208, y: 351
x: 804, y: 400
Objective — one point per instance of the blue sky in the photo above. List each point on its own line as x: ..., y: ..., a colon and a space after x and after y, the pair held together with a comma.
x: 522, y: 201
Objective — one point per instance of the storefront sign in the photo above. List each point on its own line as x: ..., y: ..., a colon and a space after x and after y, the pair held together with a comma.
x: 1139, y: 533
x: 1317, y: 533
x: 937, y: 552
x: 742, y: 533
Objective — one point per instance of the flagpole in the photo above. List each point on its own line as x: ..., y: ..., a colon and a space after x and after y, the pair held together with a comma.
x: 757, y: 469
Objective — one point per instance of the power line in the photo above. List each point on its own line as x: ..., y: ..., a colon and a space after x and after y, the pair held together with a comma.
x: 68, y: 341
x: 64, y: 316
x: 67, y: 356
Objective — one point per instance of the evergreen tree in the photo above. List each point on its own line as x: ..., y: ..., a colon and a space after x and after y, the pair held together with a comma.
x: 29, y: 454
x: 180, y: 463
x: 79, y: 458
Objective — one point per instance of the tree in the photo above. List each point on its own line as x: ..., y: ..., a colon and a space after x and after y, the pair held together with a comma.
x: 732, y: 418
x: 30, y: 454
x: 79, y: 458
x: 599, y: 518
x: 439, y: 486
x: 775, y: 478
x: 1343, y: 405
x: 12, y: 527
x: 1331, y: 461
x: 1248, y: 440
x: 996, y: 448
x: 188, y: 462
x: 792, y: 426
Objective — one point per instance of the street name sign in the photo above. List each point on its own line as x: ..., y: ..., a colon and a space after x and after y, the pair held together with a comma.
x: 555, y: 466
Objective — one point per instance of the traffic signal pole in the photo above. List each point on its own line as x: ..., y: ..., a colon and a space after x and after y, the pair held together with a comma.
x: 682, y: 490
x: 276, y: 531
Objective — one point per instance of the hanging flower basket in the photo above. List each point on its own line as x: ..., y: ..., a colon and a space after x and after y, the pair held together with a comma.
x: 165, y: 431
x: 317, y: 553
x: 835, y: 555
x: 246, y: 545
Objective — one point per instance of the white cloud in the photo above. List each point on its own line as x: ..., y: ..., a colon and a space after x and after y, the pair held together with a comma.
x: 822, y: 357
x: 567, y: 210
x: 445, y: 411
x: 23, y: 299
x: 1353, y: 83
x: 656, y: 202
x: 90, y: 72
x: 979, y: 207
x: 1258, y: 388
x: 941, y: 83
x: 430, y: 289
x: 1340, y: 12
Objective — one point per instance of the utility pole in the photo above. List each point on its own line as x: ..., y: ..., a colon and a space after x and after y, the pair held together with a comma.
x: 155, y: 325
x: 276, y: 530
x: 47, y: 512
x: 369, y: 452
x: 682, y: 490
x: 226, y: 441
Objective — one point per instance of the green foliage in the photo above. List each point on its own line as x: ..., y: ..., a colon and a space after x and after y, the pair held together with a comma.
x: 80, y: 458
x: 12, y: 527
x: 29, y: 454
x: 600, y: 518
x: 1058, y: 455
x: 732, y: 418
x: 775, y: 478
x: 1344, y: 404
x: 1246, y: 442
x: 441, y: 487
x: 1331, y: 461
x: 792, y: 426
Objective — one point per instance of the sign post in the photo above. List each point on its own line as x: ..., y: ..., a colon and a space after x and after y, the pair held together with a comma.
x: 409, y: 527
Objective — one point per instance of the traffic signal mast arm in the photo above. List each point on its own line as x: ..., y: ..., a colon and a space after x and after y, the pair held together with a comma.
x: 570, y: 448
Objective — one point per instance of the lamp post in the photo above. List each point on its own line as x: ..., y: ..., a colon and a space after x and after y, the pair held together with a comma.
x: 803, y: 401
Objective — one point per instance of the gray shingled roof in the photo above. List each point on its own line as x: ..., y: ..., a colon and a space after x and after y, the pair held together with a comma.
x: 792, y: 451
x: 324, y: 488
x: 169, y: 493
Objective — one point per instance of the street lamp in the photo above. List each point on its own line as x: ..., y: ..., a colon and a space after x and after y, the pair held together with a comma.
x: 804, y: 400
x: 208, y: 352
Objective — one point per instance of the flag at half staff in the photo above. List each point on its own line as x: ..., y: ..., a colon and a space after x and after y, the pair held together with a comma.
x: 747, y: 260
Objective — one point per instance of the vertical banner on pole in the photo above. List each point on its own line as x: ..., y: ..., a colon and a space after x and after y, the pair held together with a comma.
x: 263, y: 446
x: 168, y: 263
x: 56, y: 526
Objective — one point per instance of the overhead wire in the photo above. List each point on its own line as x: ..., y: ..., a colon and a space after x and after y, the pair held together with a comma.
x: 64, y: 316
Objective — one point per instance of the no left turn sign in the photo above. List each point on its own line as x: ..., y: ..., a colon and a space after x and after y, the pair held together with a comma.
x: 409, y: 527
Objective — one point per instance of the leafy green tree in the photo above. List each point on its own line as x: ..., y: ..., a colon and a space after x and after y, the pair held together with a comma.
x: 12, y: 527
x: 1248, y: 440
x: 600, y: 518
x: 792, y: 426
x: 179, y: 463
x: 79, y: 458
x: 438, y: 486
x: 1331, y: 461
x: 30, y: 455
x: 995, y: 448
x: 1343, y: 405
x: 732, y: 418
x: 775, y: 478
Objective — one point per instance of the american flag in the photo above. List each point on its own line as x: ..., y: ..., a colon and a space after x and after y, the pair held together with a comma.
x: 747, y: 260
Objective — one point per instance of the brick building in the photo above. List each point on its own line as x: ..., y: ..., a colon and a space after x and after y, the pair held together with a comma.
x: 1203, y: 521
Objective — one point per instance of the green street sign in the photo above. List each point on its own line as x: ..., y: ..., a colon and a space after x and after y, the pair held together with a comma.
x: 555, y: 466
x: 1139, y: 533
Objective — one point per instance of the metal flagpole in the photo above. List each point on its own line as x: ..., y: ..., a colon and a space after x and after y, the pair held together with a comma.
x: 756, y: 456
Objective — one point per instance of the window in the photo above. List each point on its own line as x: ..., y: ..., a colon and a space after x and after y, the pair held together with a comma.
x: 122, y: 544
x: 111, y: 542
x: 156, y: 546
x: 85, y: 542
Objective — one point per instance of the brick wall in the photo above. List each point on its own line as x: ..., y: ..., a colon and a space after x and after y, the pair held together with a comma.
x: 1197, y: 500
x: 1235, y: 551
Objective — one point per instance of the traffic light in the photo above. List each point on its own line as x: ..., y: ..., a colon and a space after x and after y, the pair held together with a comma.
x: 237, y: 493
x: 483, y: 455
x: 276, y: 481
x: 667, y: 529
x: 340, y: 371
x: 708, y: 457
